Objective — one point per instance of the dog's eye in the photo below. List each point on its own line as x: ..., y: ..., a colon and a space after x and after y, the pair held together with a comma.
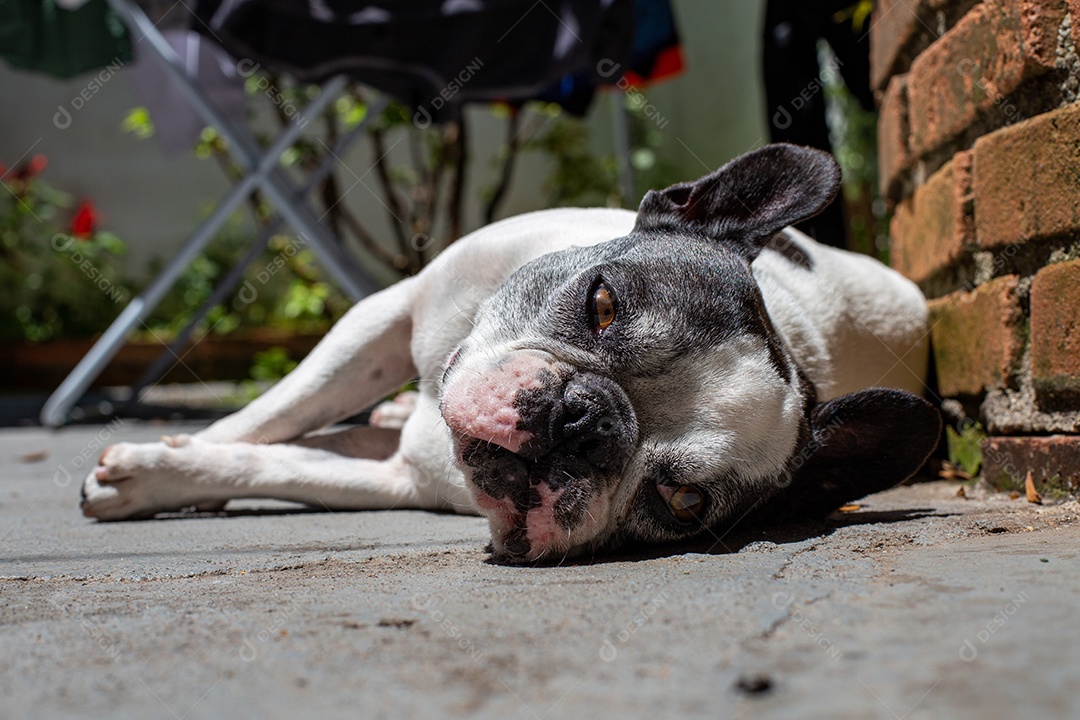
x: 602, y: 306
x: 686, y: 502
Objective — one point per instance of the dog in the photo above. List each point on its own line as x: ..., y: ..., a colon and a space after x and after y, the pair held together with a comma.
x: 591, y: 379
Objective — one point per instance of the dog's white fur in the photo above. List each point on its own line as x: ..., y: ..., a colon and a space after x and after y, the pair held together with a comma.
x: 850, y: 323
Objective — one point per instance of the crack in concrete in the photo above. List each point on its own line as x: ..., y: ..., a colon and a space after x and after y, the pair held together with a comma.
x: 779, y: 574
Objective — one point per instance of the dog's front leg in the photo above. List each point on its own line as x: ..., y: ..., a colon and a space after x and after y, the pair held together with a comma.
x: 365, y: 356
x: 359, y: 468
x: 140, y: 479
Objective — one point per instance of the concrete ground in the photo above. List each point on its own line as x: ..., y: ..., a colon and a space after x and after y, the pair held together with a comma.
x: 920, y: 604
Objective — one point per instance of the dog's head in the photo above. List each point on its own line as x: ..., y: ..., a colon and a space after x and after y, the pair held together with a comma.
x: 636, y: 390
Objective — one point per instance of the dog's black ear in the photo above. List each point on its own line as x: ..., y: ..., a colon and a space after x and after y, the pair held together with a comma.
x: 749, y: 199
x: 861, y: 443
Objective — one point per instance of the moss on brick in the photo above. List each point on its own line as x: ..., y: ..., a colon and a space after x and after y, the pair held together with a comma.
x: 972, y: 68
x: 977, y: 338
x: 1026, y: 180
x: 1054, y: 463
x: 1055, y: 346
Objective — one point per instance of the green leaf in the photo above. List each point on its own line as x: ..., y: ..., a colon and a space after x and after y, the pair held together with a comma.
x: 272, y: 364
x: 138, y: 123
x: 965, y: 447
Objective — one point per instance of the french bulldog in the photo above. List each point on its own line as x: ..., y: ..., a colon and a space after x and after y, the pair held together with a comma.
x: 591, y: 379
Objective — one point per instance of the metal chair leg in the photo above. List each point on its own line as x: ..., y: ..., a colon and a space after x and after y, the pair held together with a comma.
x: 343, y: 269
x: 54, y: 413
x: 236, y: 273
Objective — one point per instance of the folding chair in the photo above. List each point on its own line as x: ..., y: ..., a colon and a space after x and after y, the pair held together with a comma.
x: 262, y: 173
x: 553, y: 47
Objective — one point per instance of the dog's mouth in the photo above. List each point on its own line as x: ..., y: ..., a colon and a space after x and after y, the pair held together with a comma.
x: 543, y: 446
x: 540, y: 509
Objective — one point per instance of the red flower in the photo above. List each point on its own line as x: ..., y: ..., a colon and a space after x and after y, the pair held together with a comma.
x: 36, y: 165
x: 28, y: 169
x: 82, y: 225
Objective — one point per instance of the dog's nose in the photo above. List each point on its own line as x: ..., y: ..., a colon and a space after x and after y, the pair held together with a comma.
x: 589, y: 425
x: 587, y: 418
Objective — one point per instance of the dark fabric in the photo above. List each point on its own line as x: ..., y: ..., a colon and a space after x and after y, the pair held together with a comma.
x: 39, y: 35
x: 433, y: 55
x: 654, y: 55
x: 793, y: 92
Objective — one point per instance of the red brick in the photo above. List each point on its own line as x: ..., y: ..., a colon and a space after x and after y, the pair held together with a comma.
x: 1055, y: 335
x: 1074, y: 10
x: 1026, y: 179
x: 980, y: 61
x: 935, y: 227
x: 895, y: 26
x: 894, y: 158
x: 1054, y: 462
x: 901, y: 29
x: 976, y: 337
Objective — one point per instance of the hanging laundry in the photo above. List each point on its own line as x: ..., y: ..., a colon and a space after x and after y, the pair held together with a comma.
x: 433, y: 55
x: 655, y: 55
x: 63, y: 38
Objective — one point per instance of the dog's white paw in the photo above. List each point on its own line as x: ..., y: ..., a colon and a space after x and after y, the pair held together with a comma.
x: 392, y: 415
x: 137, y: 480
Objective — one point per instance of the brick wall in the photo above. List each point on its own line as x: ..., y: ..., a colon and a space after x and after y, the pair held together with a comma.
x: 979, y: 156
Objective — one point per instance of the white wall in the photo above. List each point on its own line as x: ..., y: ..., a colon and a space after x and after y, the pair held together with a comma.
x: 717, y: 107
x: 713, y: 112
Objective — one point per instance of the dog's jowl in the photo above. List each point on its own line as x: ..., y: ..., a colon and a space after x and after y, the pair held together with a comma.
x: 593, y: 378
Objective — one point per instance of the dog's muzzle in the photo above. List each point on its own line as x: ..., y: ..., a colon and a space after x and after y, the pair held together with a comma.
x: 545, y: 469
